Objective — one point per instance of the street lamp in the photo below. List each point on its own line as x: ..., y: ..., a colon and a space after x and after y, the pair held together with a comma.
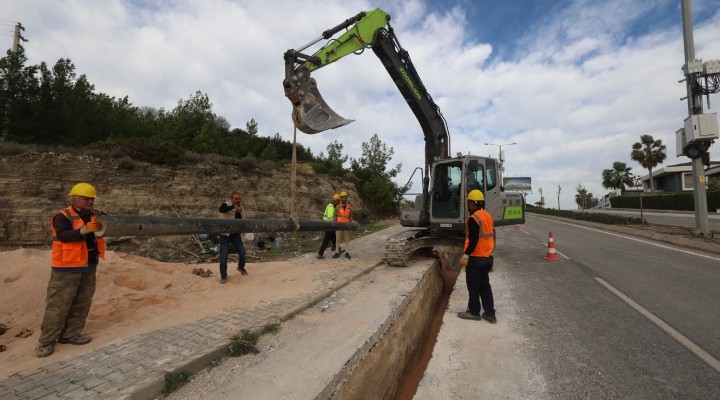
x: 502, y: 155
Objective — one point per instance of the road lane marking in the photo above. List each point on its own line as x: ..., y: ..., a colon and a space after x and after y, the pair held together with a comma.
x: 705, y: 356
x: 633, y: 238
x: 546, y: 245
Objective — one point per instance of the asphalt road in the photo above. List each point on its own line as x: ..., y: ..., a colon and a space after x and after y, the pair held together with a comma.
x: 618, y: 317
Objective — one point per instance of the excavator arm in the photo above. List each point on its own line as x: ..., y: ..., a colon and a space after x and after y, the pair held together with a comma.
x: 366, y: 30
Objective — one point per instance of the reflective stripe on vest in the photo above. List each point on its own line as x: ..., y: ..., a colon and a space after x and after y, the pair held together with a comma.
x: 73, y: 254
x: 343, y: 213
x: 486, y: 241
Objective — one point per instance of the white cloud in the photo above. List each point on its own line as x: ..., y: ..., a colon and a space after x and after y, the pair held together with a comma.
x: 579, y: 92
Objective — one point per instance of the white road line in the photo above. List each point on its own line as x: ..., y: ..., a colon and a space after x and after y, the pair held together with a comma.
x: 545, y: 244
x: 709, y: 360
x: 632, y: 238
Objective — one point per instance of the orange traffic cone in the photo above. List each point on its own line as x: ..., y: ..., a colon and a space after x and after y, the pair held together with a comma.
x: 551, y: 255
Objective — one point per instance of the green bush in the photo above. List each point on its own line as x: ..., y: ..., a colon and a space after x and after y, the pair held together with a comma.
x: 153, y: 151
x: 585, y: 216
x: 248, y: 164
x: 666, y: 201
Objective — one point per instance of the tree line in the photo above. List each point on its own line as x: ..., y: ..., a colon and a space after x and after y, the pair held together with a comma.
x: 55, y: 106
x: 648, y: 152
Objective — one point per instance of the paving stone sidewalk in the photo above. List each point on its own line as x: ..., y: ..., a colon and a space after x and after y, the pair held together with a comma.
x: 135, y: 367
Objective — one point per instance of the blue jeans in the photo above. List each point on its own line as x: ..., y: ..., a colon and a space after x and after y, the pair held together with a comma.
x: 225, y: 241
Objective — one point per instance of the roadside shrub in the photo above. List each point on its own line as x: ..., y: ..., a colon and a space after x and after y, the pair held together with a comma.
x: 174, y: 380
x: 243, y: 344
x: 247, y: 164
x: 267, y: 165
x: 154, y: 151
x: 586, y: 216
x: 127, y: 164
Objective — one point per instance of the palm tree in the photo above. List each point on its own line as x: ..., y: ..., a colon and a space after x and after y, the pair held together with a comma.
x: 649, y: 153
x: 617, y: 177
x: 583, y: 198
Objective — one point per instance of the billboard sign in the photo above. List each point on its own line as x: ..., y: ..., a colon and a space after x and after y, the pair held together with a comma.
x: 517, y: 184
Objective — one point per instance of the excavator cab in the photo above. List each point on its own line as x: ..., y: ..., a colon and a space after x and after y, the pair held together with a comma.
x: 454, y: 178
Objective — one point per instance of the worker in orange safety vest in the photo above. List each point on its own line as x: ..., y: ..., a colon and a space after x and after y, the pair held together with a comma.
x: 343, y: 212
x: 478, y: 259
x: 76, y: 250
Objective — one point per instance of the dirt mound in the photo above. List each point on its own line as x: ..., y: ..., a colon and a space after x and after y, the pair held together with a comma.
x: 133, y: 295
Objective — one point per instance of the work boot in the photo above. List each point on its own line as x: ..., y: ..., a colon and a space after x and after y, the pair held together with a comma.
x: 467, y: 315
x: 320, y: 256
x: 44, y: 350
x: 347, y: 255
x: 242, y: 271
x: 336, y: 255
x: 489, y: 318
x: 223, y: 280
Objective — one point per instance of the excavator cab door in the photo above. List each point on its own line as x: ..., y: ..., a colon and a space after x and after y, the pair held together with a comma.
x: 506, y: 208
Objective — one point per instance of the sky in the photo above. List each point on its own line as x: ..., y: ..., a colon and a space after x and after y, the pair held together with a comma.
x: 574, y: 83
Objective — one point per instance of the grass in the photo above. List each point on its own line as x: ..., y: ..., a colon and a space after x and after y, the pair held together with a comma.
x: 242, y: 344
x: 174, y: 380
x: 587, y: 215
x: 272, y: 328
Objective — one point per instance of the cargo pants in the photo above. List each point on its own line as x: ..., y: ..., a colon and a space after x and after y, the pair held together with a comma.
x: 67, y: 304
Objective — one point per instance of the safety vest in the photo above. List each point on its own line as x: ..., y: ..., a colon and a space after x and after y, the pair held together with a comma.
x: 343, y: 212
x: 329, y: 215
x: 486, y: 241
x: 74, y: 254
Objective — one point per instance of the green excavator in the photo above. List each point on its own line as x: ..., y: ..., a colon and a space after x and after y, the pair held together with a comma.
x: 440, y: 210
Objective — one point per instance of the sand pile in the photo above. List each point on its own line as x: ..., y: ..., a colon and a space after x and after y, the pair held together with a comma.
x: 133, y: 295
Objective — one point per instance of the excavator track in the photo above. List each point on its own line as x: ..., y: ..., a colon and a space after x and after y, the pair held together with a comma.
x: 399, y: 250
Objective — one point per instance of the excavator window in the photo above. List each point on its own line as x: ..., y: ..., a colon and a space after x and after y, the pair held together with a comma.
x: 446, y: 198
x: 491, y: 174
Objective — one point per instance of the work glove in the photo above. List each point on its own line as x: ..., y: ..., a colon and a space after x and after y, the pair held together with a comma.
x: 90, y: 227
x: 464, y: 260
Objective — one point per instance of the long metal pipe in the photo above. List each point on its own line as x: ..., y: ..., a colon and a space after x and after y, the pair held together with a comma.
x: 134, y: 225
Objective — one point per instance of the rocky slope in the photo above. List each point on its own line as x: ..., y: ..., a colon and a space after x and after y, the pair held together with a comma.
x: 34, y: 185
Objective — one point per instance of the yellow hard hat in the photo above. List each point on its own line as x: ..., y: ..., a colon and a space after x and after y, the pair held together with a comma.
x: 343, y: 194
x: 83, y: 189
x: 475, y: 195
x: 336, y: 196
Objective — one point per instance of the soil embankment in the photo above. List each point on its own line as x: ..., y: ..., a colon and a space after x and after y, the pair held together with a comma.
x: 34, y: 185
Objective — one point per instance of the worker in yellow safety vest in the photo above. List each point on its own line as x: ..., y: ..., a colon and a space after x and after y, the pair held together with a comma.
x: 329, y: 216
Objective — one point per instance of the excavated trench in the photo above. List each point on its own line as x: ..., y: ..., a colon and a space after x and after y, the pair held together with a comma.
x: 392, y: 366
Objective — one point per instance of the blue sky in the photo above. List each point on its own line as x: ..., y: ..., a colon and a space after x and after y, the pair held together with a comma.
x: 573, y: 82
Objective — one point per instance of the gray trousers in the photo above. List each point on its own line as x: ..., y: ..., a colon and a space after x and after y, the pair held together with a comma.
x: 67, y: 304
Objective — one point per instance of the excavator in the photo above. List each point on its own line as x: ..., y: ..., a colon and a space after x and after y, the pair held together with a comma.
x: 440, y: 211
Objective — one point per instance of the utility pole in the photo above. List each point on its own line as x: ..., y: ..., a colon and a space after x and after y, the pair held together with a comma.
x: 501, y: 159
x: 17, y: 37
x: 700, y: 129
x: 558, y: 197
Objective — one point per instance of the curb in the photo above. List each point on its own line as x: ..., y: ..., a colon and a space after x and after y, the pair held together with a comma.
x: 153, y: 386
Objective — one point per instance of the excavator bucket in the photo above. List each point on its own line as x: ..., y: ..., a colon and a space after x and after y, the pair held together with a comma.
x: 310, y: 112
